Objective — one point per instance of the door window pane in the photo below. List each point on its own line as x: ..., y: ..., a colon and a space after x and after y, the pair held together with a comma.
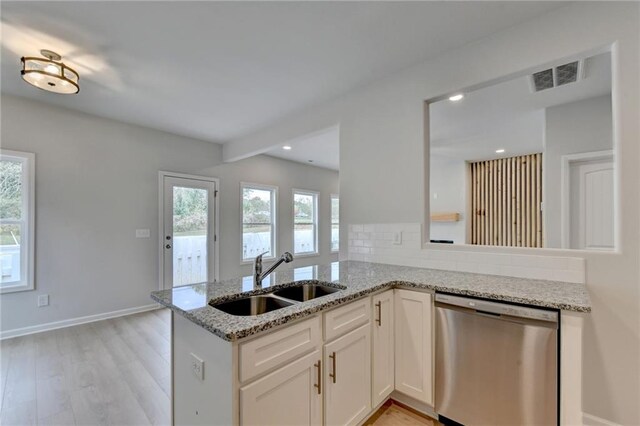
x: 305, y: 222
x: 258, y: 221
x: 190, y: 229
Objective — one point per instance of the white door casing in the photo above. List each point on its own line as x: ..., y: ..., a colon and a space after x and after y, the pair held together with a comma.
x: 200, y: 263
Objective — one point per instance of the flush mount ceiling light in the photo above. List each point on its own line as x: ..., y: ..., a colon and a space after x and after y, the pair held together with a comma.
x: 456, y: 98
x: 499, y: 151
x: 286, y: 147
x: 50, y: 73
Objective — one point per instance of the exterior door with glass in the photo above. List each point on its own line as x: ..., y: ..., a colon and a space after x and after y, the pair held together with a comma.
x: 188, y: 239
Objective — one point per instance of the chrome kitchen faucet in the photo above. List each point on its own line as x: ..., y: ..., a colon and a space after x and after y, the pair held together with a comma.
x: 258, y: 275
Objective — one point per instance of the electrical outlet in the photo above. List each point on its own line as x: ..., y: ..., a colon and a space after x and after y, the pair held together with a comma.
x: 397, y: 238
x: 43, y: 300
x: 143, y: 233
x: 197, y: 366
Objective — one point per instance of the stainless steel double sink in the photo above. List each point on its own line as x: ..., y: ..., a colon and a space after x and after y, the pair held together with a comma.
x: 278, y: 299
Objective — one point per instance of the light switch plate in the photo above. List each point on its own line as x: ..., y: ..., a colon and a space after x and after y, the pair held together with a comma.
x: 197, y: 366
x: 143, y: 233
x: 43, y: 300
x: 397, y: 238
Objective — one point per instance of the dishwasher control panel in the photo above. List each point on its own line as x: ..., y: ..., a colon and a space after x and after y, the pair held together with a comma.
x: 497, y: 308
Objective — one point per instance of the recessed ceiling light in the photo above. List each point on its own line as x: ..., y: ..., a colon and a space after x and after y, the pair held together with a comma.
x: 286, y: 147
x: 456, y: 98
x: 499, y: 151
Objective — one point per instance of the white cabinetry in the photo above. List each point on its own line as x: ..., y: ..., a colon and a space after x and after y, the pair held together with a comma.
x: 333, y: 368
x: 288, y: 396
x: 382, y: 353
x: 348, y: 378
x: 413, y: 342
x: 278, y: 348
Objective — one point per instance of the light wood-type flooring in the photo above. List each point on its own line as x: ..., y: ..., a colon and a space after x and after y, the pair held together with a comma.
x: 115, y: 371
x: 394, y: 414
x: 111, y: 372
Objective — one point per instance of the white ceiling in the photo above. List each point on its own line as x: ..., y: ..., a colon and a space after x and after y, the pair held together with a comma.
x: 320, y: 149
x: 221, y: 70
x: 508, y: 115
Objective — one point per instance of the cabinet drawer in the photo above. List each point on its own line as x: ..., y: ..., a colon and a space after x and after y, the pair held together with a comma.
x: 278, y: 348
x: 346, y: 318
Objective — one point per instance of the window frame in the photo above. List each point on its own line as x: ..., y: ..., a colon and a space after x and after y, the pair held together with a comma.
x: 315, y: 222
x: 274, y: 219
x: 332, y: 223
x: 27, y: 239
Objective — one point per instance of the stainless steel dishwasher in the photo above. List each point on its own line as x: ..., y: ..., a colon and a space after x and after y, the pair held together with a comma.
x: 496, y: 363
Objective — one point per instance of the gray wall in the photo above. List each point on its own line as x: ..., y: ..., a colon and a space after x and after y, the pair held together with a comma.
x: 97, y: 181
x: 384, y: 166
x: 582, y: 126
x: 448, y: 182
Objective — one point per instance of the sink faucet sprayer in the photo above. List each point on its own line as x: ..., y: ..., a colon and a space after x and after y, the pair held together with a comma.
x: 258, y: 275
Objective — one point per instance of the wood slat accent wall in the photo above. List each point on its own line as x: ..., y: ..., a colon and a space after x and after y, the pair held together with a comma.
x: 506, y: 196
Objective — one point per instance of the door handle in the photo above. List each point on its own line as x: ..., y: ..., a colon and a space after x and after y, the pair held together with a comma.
x: 333, y: 367
x: 379, y: 319
x: 318, y: 385
x: 168, y: 246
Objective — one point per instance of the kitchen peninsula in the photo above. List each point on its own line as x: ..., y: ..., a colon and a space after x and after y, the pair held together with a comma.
x: 334, y: 359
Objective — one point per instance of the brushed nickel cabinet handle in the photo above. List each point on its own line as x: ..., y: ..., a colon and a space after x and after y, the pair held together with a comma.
x: 318, y: 365
x: 333, y: 366
x: 379, y: 319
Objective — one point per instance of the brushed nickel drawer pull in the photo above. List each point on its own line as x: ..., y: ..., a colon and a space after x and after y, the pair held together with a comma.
x: 333, y: 365
x: 318, y: 365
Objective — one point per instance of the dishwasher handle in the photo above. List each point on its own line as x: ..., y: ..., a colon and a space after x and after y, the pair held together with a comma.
x: 496, y: 310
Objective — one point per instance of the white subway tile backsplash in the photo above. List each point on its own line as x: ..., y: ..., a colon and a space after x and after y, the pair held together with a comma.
x: 375, y: 243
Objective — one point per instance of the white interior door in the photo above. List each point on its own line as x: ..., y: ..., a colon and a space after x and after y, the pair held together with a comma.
x: 188, y: 239
x: 592, y: 211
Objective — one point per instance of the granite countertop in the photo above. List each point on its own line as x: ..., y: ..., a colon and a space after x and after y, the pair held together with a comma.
x: 360, y: 279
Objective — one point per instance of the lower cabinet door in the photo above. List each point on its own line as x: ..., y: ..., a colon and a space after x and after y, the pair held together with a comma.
x: 288, y: 396
x: 347, y: 373
x: 413, y: 340
x: 382, y: 354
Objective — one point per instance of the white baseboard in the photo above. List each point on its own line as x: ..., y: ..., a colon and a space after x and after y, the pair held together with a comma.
x: 6, y: 334
x: 591, y: 420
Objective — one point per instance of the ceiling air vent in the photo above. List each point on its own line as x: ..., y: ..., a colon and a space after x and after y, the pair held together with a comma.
x: 558, y: 76
x: 543, y: 80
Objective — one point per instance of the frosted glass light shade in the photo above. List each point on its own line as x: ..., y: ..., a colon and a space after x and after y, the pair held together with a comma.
x: 50, y: 75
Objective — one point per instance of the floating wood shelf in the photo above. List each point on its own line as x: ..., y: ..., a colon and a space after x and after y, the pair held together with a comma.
x: 445, y: 217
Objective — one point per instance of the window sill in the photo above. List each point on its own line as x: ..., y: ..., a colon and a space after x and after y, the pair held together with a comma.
x: 309, y: 254
x: 16, y: 288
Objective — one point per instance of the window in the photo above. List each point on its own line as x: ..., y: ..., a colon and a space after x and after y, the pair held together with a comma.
x: 335, y: 223
x: 17, y: 212
x: 258, y: 220
x: 305, y: 222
